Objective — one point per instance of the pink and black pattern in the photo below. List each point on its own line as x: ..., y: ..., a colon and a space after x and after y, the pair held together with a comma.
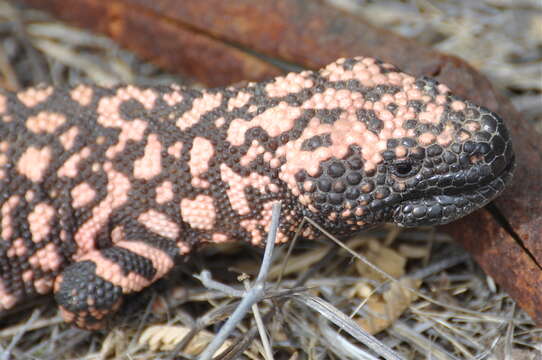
x: 103, y: 189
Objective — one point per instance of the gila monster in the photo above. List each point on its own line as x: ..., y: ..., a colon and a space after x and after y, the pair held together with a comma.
x: 102, y: 190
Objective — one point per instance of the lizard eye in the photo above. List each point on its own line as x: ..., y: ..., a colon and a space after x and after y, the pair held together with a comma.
x: 404, y: 168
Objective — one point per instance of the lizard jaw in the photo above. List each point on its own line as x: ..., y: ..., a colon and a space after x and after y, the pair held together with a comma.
x: 443, y: 209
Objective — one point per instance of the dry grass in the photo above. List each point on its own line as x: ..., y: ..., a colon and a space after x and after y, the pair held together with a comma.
x: 422, y: 297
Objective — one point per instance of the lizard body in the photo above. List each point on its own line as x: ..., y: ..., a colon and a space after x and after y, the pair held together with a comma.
x: 103, y: 189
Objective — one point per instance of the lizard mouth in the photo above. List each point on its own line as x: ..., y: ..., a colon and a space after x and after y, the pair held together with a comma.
x: 453, y: 203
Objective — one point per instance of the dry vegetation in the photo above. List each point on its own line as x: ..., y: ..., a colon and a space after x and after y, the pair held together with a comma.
x: 420, y: 295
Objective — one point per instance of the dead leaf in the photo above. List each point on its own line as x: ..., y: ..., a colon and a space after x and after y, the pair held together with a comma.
x: 383, y: 309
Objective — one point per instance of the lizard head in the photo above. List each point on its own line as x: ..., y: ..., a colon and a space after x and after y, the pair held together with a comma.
x: 383, y: 146
x: 448, y: 181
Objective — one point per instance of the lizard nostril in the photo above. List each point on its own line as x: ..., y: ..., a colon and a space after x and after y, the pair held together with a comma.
x: 403, y: 168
